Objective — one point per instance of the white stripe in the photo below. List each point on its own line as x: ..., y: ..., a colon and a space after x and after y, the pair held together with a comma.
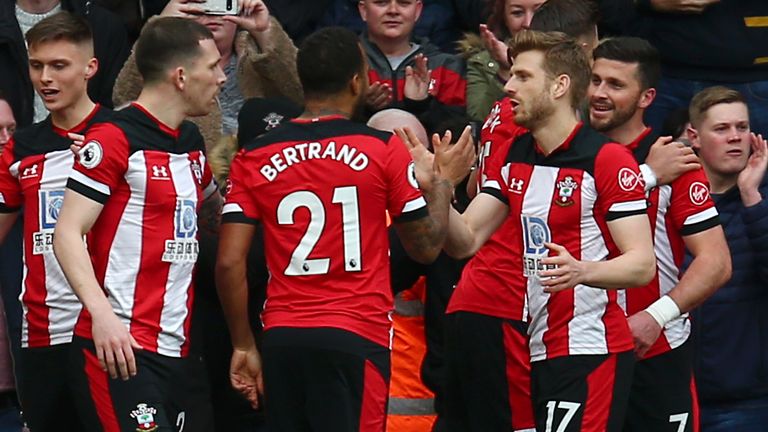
x: 628, y: 206
x: 125, y: 252
x: 14, y: 168
x: 536, y: 203
x: 91, y: 183
x: 586, y: 331
x: 493, y: 184
x: 175, y: 311
x: 677, y: 330
x: 64, y: 306
x: 231, y: 208
x: 701, y: 216
x: 414, y: 204
x: 24, y: 309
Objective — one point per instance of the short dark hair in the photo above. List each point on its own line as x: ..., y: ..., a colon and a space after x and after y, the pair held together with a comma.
x: 167, y: 42
x: 327, y: 60
x: 633, y: 50
x: 64, y: 26
x: 709, y: 97
x: 572, y: 17
x: 562, y: 56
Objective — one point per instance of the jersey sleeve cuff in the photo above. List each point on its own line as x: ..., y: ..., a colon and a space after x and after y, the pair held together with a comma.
x: 87, y: 192
x: 700, y: 226
x: 412, y: 215
x: 495, y: 193
x: 5, y: 208
x: 238, y: 217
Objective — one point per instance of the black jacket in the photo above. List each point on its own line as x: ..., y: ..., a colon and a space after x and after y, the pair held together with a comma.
x: 110, y: 46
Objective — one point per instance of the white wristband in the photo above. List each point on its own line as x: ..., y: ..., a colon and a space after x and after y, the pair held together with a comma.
x: 663, y: 310
x: 649, y: 177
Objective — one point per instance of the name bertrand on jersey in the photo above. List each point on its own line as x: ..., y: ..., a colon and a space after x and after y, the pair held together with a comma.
x: 297, y: 153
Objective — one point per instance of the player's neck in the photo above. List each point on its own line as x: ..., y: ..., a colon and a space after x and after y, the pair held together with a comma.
x: 325, y: 108
x: 553, y: 131
x: 37, y: 6
x: 628, y: 132
x: 165, y: 107
x: 392, y: 47
x: 69, y: 117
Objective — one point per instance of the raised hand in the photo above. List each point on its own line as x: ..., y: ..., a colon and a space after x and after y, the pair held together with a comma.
x: 379, y: 96
x: 183, y: 8
x: 454, y: 161
x: 253, y: 17
x: 497, y: 48
x: 752, y: 175
x: 417, y: 79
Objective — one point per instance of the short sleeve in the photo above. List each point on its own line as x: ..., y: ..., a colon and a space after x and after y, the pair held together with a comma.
x: 239, y: 206
x: 619, y: 183
x: 691, y: 207
x: 101, y: 163
x: 11, y: 198
x: 404, y: 199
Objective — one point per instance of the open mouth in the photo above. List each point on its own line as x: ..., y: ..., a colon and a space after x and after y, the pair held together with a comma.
x: 48, y: 93
x: 601, y: 107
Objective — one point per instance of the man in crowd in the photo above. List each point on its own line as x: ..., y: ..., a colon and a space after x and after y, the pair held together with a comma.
x: 558, y: 176
x: 326, y: 328
x: 624, y: 76
x: 33, y: 173
x: 143, y: 176
x: 729, y: 343
x: 408, y: 73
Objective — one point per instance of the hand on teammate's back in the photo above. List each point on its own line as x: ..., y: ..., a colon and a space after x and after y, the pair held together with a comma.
x: 670, y: 159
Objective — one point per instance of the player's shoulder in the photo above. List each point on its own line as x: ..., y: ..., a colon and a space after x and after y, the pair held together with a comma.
x: 190, y: 134
x: 312, y: 131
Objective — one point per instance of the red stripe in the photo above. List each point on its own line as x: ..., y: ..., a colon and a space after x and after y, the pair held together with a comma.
x: 599, y: 396
x: 158, y: 220
x: 98, y: 385
x: 34, y: 281
x: 518, y: 369
x: 373, y: 412
x: 695, y: 405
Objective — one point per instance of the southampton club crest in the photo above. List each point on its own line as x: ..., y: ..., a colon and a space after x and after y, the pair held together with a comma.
x: 565, y: 189
x: 145, y: 417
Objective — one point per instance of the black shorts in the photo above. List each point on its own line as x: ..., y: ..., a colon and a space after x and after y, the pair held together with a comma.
x: 324, y: 379
x: 584, y: 393
x: 663, y: 395
x: 44, y: 389
x: 141, y: 403
x: 488, y: 370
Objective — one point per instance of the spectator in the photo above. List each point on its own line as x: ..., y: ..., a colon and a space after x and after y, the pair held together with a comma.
x: 110, y: 44
x: 487, y: 63
x: 405, y: 72
x: 259, y: 61
x: 702, y: 43
x: 730, y: 343
x: 10, y: 416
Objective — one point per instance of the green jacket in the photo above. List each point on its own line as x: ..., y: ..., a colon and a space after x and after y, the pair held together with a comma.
x: 483, y: 85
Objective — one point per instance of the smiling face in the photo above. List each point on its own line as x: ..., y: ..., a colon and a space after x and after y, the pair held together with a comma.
x: 722, y: 139
x: 60, y: 71
x: 390, y: 19
x: 528, y: 89
x: 615, y: 94
x: 519, y: 13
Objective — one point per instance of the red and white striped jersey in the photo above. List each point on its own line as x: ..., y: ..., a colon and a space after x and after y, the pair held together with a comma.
x: 322, y: 190
x: 34, y: 169
x: 567, y: 197
x: 679, y: 209
x: 151, y: 180
x: 491, y: 282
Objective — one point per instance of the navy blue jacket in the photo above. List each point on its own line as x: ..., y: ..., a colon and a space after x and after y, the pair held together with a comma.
x: 730, y: 330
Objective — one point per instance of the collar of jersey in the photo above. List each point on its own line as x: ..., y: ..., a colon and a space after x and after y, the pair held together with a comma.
x: 562, y: 147
x: 77, y: 128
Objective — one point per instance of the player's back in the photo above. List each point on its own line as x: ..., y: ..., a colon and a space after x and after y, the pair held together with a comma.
x: 321, y: 189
